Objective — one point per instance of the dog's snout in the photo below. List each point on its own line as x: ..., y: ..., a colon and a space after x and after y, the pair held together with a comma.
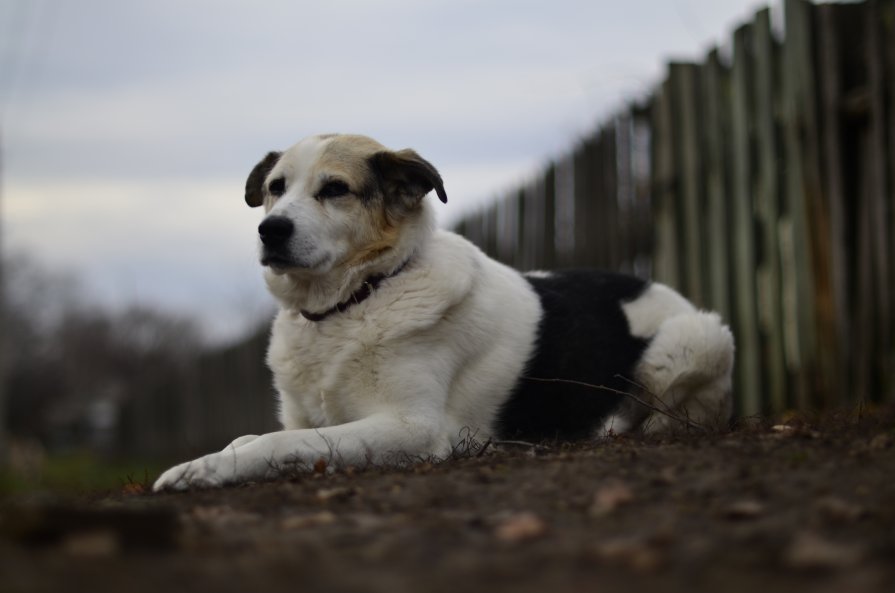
x: 275, y: 230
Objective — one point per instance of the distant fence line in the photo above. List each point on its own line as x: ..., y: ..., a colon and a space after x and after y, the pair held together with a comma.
x: 761, y: 185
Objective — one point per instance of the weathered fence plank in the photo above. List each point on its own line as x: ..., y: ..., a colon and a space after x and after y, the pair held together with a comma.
x: 565, y: 211
x: 610, y: 222
x: 581, y: 184
x: 490, y: 230
x: 548, y: 255
x: 748, y: 371
x: 876, y: 180
x: 527, y: 231
x: 664, y: 182
x: 834, y: 181
x: 595, y: 201
x: 624, y: 188
x: 763, y: 188
x: 716, y: 99
x: 687, y: 116
x: 767, y: 199
x: 802, y: 224
x: 887, y: 21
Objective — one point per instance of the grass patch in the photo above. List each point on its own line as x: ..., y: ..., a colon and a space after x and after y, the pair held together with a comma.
x: 79, y: 473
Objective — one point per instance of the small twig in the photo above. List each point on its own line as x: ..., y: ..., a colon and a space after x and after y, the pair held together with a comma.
x: 467, y: 444
x: 639, y: 400
x: 665, y: 405
x: 645, y: 390
x: 484, y: 448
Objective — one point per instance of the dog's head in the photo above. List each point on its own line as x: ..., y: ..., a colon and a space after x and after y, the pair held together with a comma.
x: 336, y: 200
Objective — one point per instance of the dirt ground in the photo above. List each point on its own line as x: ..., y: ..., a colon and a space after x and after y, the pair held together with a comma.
x: 809, y: 505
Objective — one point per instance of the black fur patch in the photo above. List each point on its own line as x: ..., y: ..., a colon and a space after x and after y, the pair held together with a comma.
x: 254, y: 184
x: 583, y: 336
x: 405, y: 178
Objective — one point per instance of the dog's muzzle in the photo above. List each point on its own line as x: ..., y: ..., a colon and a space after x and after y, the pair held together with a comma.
x: 275, y: 232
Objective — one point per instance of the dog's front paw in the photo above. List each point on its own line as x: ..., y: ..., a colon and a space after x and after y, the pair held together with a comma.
x: 205, y: 472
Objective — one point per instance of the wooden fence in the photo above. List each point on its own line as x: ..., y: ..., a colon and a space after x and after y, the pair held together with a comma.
x: 760, y: 183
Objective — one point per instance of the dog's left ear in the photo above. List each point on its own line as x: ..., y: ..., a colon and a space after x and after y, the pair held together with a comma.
x: 255, y: 182
x: 406, y: 176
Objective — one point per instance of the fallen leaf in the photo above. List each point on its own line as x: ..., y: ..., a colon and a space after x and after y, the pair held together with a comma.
x: 520, y: 527
x: 786, y: 430
x: 423, y: 468
x: 305, y: 521
x: 93, y: 544
x: 336, y: 494
x: 667, y: 476
x: 224, y: 516
x: 839, y: 509
x: 811, y: 551
x: 744, y: 509
x: 880, y: 442
x: 133, y: 489
x: 610, y: 497
x: 634, y: 553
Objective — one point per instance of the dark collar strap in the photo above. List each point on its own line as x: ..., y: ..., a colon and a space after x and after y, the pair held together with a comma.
x: 359, y: 296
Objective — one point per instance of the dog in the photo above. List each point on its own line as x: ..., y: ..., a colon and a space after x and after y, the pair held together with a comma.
x: 395, y: 340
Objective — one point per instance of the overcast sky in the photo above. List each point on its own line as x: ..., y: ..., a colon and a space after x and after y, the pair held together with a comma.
x: 128, y: 127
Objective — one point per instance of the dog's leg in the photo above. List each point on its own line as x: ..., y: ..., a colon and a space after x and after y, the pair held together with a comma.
x: 239, y: 442
x: 378, y: 439
x: 687, y: 368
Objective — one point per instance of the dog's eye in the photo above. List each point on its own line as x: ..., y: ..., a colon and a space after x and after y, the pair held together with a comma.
x: 333, y: 189
x: 277, y: 187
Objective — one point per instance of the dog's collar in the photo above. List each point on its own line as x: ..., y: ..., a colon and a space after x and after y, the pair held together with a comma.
x: 359, y: 295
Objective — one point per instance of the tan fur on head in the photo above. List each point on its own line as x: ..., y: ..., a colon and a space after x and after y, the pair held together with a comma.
x: 402, y: 175
x: 354, y: 207
x: 383, y: 233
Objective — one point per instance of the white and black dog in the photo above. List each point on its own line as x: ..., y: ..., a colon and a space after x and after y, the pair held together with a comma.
x: 395, y: 340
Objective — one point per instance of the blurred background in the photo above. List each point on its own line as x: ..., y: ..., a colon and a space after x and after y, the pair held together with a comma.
x: 134, y: 314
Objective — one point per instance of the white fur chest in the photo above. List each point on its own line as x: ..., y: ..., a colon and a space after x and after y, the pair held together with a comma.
x: 322, y: 370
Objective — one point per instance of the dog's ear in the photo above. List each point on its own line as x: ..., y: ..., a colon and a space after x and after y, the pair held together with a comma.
x: 255, y: 182
x: 406, y: 177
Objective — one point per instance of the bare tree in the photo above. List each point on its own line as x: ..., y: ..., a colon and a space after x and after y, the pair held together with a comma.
x: 3, y: 442
x: 127, y: 382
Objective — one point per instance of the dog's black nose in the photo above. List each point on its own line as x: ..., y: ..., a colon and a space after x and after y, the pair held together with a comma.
x: 275, y: 230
